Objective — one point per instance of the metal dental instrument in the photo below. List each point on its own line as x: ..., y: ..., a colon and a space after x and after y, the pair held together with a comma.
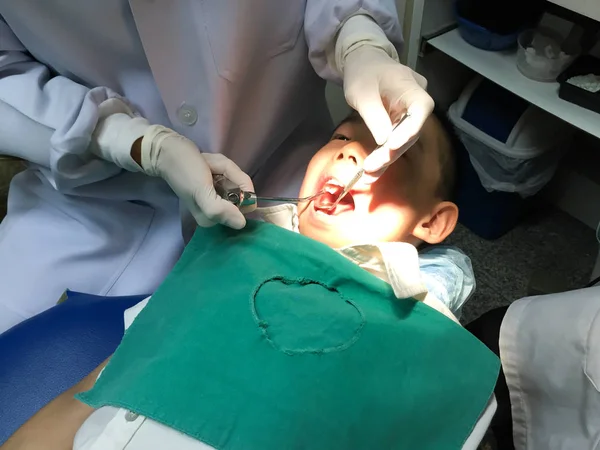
x: 228, y: 190
x: 349, y: 186
x: 361, y: 171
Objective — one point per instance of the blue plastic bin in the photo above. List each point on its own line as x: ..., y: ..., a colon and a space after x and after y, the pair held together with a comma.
x: 489, y: 215
x: 479, y: 37
x: 491, y: 111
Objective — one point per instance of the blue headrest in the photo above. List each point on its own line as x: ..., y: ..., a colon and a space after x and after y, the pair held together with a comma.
x: 49, y: 353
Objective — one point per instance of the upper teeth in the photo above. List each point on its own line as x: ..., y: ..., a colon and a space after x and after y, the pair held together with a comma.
x: 332, y: 186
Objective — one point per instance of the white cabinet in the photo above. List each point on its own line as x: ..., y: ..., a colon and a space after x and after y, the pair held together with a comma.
x: 501, y: 68
x: 588, y: 8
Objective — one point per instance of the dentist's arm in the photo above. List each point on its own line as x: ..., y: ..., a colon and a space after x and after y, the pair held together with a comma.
x: 54, y: 426
x: 48, y: 119
x: 356, y: 41
x: 86, y: 135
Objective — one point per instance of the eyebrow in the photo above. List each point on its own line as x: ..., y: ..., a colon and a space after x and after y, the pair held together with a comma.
x: 353, y: 117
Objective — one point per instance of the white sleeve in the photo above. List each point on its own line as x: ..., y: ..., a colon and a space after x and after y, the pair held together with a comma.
x: 361, y: 20
x: 52, y: 112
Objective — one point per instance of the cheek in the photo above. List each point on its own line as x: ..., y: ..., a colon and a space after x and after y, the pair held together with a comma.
x: 313, y: 173
x: 385, y: 224
x: 389, y: 223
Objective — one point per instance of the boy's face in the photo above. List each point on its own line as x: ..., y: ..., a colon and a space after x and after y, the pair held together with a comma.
x: 389, y: 209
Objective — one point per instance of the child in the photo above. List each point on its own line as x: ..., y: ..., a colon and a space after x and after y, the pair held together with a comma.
x: 378, y: 227
x: 410, y: 203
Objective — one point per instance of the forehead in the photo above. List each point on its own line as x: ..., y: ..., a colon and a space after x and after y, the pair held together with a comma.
x: 356, y: 126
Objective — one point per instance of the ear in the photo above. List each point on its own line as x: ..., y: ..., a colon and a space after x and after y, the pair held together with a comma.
x: 436, y: 227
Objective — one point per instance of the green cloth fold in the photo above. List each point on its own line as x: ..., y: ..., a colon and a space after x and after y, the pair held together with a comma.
x: 265, y: 339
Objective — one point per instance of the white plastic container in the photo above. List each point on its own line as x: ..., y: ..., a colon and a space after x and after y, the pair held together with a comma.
x: 523, y: 164
x: 540, y: 56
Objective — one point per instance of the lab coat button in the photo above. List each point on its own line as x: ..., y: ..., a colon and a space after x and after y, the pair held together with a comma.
x: 187, y: 115
x: 130, y: 416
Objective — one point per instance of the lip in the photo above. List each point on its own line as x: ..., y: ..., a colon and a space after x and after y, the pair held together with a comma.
x: 358, y: 188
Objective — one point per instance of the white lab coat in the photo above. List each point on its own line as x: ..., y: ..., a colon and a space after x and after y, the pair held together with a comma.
x: 237, y: 77
x: 550, y: 352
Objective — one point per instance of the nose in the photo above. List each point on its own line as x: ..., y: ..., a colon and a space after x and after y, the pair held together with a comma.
x: 351, y: 153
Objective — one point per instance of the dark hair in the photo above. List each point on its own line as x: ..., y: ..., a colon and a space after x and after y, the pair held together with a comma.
x: 446, y: 190
x: 353, y: 116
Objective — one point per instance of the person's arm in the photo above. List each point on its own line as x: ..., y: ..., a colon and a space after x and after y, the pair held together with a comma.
x: 356, y: 41
x: 55, y: 425
x: 86, y: 135
x: 49, y: 119
x: 324, y: 20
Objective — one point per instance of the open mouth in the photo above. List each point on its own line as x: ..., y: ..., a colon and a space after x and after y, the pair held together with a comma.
x: 333, y: 190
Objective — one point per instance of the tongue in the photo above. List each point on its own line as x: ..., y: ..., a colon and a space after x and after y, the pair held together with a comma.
x: 325, y: 201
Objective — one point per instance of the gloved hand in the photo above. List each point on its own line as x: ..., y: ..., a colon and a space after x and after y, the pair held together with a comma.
x: 176, y: 159
x: 383, y: 91
x: 130, y: 142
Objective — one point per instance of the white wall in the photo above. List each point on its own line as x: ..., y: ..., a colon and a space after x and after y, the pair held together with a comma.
x: 589, y: 8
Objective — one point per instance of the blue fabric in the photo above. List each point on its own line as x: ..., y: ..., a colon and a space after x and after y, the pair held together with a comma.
x: 47, y: 354
x: 448, y: 274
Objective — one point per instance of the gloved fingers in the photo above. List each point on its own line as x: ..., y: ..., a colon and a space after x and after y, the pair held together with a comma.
x: 367, y: 100
x: 418, y: 110
x: 209, y: 208
x: 405, y: 135
x: 420, y: 79
x: 377, y: 162
x: 399, y: 142
x: 372, y: 177
x: 200, y: 218
x: 220, y: 164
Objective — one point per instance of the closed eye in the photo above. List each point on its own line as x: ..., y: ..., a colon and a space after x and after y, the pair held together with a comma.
x: 341, y: 137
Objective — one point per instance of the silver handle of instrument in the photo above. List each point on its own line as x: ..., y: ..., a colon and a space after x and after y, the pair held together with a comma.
x: 228, y: 190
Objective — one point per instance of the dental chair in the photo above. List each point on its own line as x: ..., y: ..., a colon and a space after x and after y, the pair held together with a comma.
x: 49, y: 353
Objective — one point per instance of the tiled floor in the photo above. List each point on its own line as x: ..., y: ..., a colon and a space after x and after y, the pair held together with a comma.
x: 552, y: 247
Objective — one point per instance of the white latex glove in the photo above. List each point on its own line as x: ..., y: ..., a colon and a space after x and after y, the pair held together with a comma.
x: 166, y: 154
x: 383, y: 91
x: 189, y: 172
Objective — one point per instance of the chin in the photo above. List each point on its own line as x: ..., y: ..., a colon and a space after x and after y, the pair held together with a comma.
x: 323, y: 231
x: 322, y: 237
